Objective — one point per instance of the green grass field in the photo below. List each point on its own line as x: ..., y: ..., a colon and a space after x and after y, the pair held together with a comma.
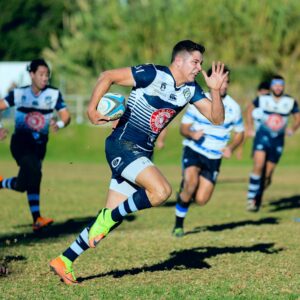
x: 227, y: 252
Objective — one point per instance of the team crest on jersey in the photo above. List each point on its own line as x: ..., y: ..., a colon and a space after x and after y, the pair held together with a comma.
x: 161, y: 117
x: 35, y: 120
x: 275, y: 122
x: 187, y: 93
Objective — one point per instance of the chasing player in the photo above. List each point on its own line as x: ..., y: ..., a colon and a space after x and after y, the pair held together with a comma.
x: 33, y: 116
x: 204, y: 146
x: 270, y: 113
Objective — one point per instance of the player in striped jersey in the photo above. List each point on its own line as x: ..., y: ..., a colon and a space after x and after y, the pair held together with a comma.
x: 158, y: 94
x: 204, y: 146
x: 33, y: 117
x: 269, y: 115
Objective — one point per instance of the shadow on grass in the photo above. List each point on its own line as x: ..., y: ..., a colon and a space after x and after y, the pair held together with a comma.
x: 232, y: 225
x: 70, y: 226
x: 193, y: 258
x: 285, y: 203
x: 4, y: 263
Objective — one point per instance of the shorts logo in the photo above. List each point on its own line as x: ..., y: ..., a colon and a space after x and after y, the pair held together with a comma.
x: 160, y: 118
x: 215, y: 175
x: 116, y: 161
x: 35, y: 120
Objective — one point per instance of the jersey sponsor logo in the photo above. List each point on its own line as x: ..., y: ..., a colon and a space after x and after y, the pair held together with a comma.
x: 275, y: 122
x: 161, y: 117
x: 116, y: 161
x: 35, y: 120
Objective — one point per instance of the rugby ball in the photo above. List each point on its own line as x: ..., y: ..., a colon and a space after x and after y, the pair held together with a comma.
x: 112, y: 105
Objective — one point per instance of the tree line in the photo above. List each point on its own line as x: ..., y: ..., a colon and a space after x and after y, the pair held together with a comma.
x: 81, y: 38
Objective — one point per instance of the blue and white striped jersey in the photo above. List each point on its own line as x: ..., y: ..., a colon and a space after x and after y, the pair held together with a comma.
x: 153, y: 103
x: 215, y: 137
x: 271, y: 116
x: 33, y: 113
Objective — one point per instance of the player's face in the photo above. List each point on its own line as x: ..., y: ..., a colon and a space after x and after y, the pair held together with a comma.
x: 40, y: 78
x: 191, y: 65
x: 277, y: 89
x: 224, y: 87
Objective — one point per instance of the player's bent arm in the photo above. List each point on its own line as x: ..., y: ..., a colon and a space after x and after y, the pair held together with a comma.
x: 249, y: 119
x: 3, y: 104
x: 185, y: 130
x: 296, y: 121
x: 64, y: 116
x: 212, y: 110
x: 121, y: 77
x: 237, y: 140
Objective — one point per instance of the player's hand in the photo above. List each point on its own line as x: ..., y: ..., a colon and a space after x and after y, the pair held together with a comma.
x: 3, y: 133
x: 250, y: 133
x: 289, y: 131
x: 214, y: 82
x: 196, y: 135
x: 159, y: 144
x: 53, y: 125
x: 227, y: 152
x: 96, y: 118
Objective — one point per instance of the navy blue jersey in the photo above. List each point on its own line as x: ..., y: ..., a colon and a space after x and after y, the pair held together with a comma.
x: 271, y: 116
x: 153, y: 103
x: 34, y: 112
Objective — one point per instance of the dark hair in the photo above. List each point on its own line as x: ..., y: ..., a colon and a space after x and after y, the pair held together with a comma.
x: 264, y: 85
x: 277, y: 76
x: 188, y: 46
x: 34, y: 64
x: 226, y: 69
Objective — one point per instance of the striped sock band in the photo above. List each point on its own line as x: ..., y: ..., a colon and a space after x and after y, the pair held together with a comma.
x: 181, y: 210
x: 80, y: 245
x: 254, y: 186
x: 137, y: 201
x: 9, y: 183
x: 34, y: 205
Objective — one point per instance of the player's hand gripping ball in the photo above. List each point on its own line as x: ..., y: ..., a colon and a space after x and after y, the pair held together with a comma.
x: 112, y: 105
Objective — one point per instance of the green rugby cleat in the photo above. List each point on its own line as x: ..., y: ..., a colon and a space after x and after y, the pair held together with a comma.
x: 101, y: 227
x: 178, y: 232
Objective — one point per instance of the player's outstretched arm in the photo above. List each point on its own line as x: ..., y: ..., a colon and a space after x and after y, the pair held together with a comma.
x: 121, y: 77
x: 213, y: 110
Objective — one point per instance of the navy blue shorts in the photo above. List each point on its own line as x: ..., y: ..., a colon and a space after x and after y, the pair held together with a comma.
x: 209, y: 168
x: 272, y: 146
x: 126, y: 161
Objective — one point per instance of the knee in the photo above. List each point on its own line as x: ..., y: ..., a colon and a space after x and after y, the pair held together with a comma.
x: 161, y: 194
x: 190, y: 186
x: 201, y: 200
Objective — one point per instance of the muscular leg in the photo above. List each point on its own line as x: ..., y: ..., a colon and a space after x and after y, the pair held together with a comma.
x: 204, y: 191
x: 270, y: 167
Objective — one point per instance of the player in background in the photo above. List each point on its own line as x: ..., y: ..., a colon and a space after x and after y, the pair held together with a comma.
x: 267, y: 120
x: 33, y: 116
x: 205, y: 145
x: 158, y: 94
x: 262, y: 89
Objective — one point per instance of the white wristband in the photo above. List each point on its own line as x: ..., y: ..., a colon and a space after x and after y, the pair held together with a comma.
x: 60, y: 124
